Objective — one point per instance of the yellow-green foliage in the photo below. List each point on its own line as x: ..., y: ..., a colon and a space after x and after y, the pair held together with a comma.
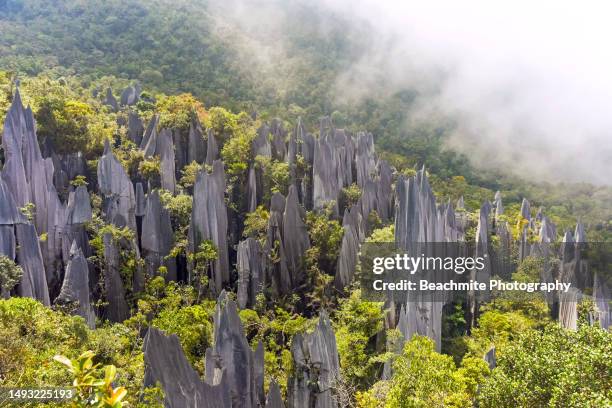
x: 32, y: 334
x: 176, y: 111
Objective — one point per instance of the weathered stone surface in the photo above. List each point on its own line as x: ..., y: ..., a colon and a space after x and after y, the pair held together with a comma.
x: 157, y: 238
x: 251, y: 272
x: 141, y: 201
x: 261, y: 143
x: 130, y: 96
x: 197, y: 148
x: 75, y: 288
x: 278, y: 275
x: 149, y: 139
x: 232, y: 354
x: 568, y: 301
x: 295, y: 237
x: 490, y: 358
x: 274, y: 399
x: 166, y: 364
x: 316, y: 368
x: 117, y: 309
x: 33, y: 282
x: 212, y: 148
x: 252, y: 190
x: 110, y: 100
x: 7, y: 241
x: 9, y: 214
x: 601, y: 297
x: 118, y: 199
x: 135, y: 128
x: 279, y: 148
x: 79, y: 206
x: 349, y: 250
x: 165, y: 151
x: 209, y: 220
x: 365, y: 159
x: 29, y: 178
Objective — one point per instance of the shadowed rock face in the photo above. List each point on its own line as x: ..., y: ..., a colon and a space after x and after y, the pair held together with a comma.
x: 251, y: 272
x: 166, y: 364
x: 33, y: 283
x: 278, y: 275
x: 79, y: 206
x: 295, y: 237
x: 196, y: 151
x: 135, y: 128
x: 118, y: 198
x: 157, y: 238
x: 29, y: 179
x: 149, y: 139
x: 212, y: 148
x: 110, y: 100
x: 279, y: 149
x: 349, y: 250
x: 141, y: 201
x: 316, y: 368
x: 261, y: 144
x: 165, y: 150
x: 130, y: 96
x: 243, y: 369
x: 75, y: 288
x: 274, y: 398
x: 9, y: 214
x: 209, y: 220
x: 117, y: 309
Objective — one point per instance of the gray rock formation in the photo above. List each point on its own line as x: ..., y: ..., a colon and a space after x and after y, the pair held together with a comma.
x: 110, y: 100
x: 251, y: 272
x: 278, y: 274
x: 148, y: 143
x: 279, y: 148
x: 316, y: 368
x: 157, y: 238
x: 209, y: 220
x: 117, y: 309
x: 33, y: 283
x: 295, y: 237
x: 349, y: 250
x: 118, y: 198
x: 196, y: 151
x: 212, y: 148
x: 75, y: 288
x: 165, y: 151
x: 261, y: 143
x: 135, y: 128
x: 274, y: 398
x: 232, y: 354
x: 29, y: 179
x: 166, y: 364
x: 365, y: 159
x: 141, y: 201
x: 130, y: 96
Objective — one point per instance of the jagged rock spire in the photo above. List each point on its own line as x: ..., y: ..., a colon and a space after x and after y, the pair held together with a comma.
x: 251, y: 272
x: 232, y: 354
x: 295, y: 236
x: 75, y: 288
x: 209, y: 220
x: 157, y: 237
x: 117, y: 190
x: 315, y: 357
x: 166, y: 365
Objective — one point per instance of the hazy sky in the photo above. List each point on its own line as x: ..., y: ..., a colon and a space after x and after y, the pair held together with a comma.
x: 529, y: 82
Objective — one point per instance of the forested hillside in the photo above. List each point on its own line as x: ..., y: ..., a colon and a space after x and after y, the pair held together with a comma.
x: 196, y: 224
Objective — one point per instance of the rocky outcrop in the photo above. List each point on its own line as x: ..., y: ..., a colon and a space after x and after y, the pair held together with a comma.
x: 118, y: 198
x: 148, y: 143
x: 196, y: 151
x: 165, y: 151
x: 117, y: 309
x: 157, y: 238
x: 295, y: 237
x: 135, y: 128
x: 166, y: 365
x: 33, y: 283
x: 130, y: 95
x: 278, y: 273
x: 316, y: 368
x: 110, y: 100
x: 75, y: 288
x: 349, y: 250
x: 279, y: 148
x: 212, y: 148
x: 274, y: 398
x: 250, y: 266
x: 209, y: 220
x: 231, y: 353
x: 29, y: 179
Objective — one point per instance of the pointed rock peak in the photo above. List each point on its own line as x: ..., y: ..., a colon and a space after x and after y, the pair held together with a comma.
x: 274, y: 398
x: 498, y: 196
x: 568, y: 238
x: 74, y: 249
x: 277, y: 203
x: 579, y: 234
x: 460, y: 204
x: 107, y: 147
x: 525, y: 209
x: 17, y: 97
